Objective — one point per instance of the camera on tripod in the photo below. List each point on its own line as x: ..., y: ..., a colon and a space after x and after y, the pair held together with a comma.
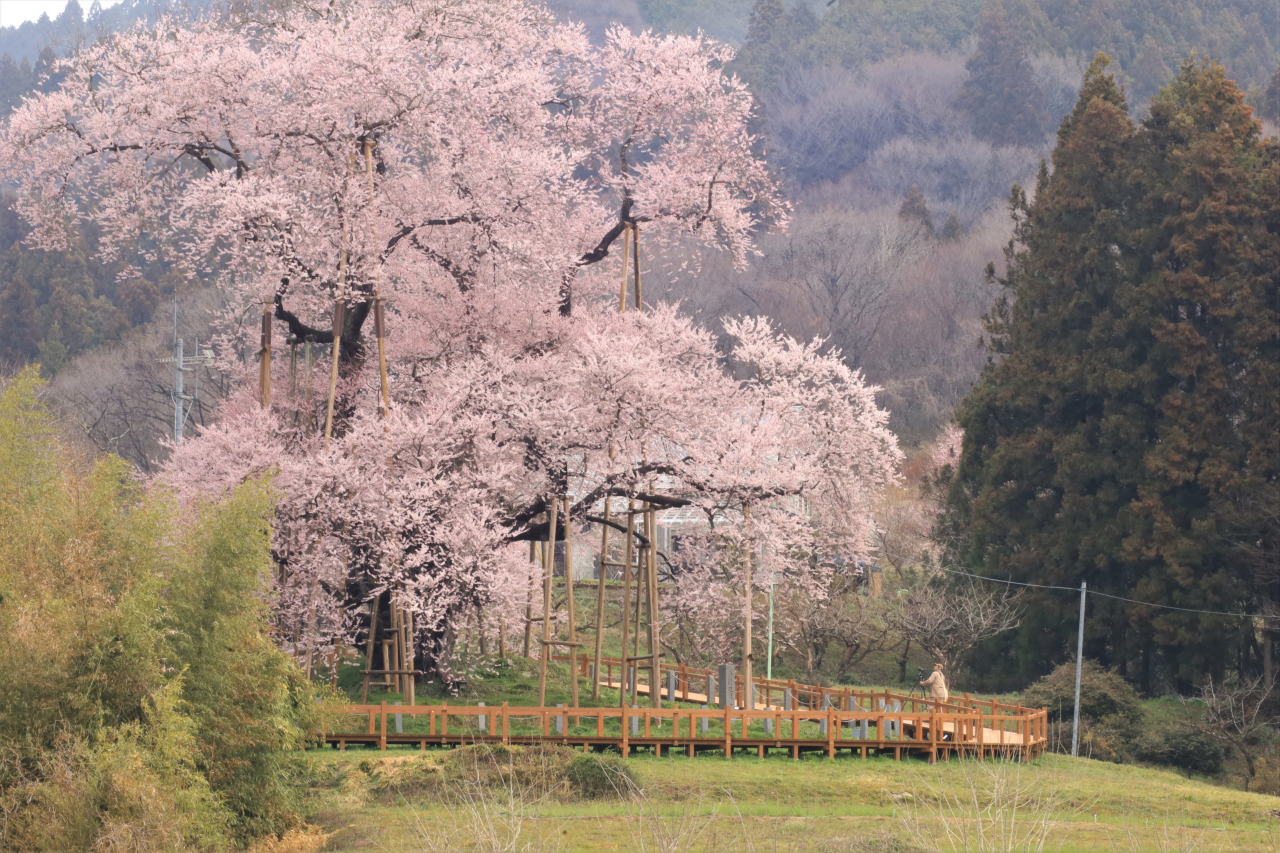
x: 919, y: 674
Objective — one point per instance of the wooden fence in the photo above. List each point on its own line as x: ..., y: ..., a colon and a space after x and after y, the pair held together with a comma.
x: 820, y: 720
x: 693, y: 684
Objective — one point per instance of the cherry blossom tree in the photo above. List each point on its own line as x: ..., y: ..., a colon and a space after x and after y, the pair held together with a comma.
x: 436, y: 186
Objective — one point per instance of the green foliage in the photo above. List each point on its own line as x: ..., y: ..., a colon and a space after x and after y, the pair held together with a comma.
x: 725, y: 20
x: 1185, y: 748
x: 1270, y: 108
x: 56, y: 305
x: 1105, y: 697
x: 535, y: 772
x: 596, y: 776
x: 1001, y: 95
x: 1131, y: 420
x: 952, y: 230
x: 140, y: 692
x: 915, y: 210
x: 135, y: 786
x: 853, y: 33
x: 249, y: 702
x: 1149, y: 38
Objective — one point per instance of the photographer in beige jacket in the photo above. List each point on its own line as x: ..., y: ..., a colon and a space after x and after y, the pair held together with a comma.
x: 937, y: 684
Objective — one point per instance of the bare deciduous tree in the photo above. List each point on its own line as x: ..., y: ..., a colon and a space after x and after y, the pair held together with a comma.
x: 835, y: 277
x: 1236, y: 716
x: 121, y: 397
x: 846, y: 620
x: 948, y: 620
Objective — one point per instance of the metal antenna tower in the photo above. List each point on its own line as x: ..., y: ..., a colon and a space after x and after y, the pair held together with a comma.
x: 183, y: 403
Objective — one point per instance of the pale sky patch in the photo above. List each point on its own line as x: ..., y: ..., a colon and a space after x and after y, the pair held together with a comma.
x: 15, y: 12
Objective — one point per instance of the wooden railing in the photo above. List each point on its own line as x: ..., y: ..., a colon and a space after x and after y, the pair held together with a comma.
x: 693, y: 685
x: 933, y: 731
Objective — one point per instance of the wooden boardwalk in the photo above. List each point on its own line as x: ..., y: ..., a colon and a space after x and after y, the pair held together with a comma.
x: 804, y: 719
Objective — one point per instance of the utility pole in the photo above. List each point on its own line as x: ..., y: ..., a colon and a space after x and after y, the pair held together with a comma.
x: 1075, y: 717
x: 182, y: 402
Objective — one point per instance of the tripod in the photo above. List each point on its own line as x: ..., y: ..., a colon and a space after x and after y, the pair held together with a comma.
x: 917, y: 688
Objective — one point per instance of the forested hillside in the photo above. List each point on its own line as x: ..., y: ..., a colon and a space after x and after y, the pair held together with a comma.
x: 862, y: 106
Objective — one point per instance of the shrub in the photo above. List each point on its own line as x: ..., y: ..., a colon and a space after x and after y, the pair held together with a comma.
x: 404, y: 780
x: 594, y: 777
x: 137, y: 788
x: 1106, y: 700
x: 1185, y: 748
x: 161, y: 716
x: 1095, y: 741
x: 1266, y: 779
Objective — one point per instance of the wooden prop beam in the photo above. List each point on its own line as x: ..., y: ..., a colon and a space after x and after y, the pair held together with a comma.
x: 548, y: 566
x: 626, y: 597
x: 568, y: 576
x: 264, y: 358
x: 604, y: 562
x: 655, y: 618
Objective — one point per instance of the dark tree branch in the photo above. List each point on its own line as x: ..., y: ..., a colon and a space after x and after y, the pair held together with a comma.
x: 351, y: 345
x: 297, y: 328
x: 597, y: 254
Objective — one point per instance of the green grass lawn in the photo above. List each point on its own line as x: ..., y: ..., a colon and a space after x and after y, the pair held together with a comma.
x: 777, y: 804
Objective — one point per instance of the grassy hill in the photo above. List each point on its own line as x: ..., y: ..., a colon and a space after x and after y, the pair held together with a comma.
x: 522, y: 799
x: 530, y: 798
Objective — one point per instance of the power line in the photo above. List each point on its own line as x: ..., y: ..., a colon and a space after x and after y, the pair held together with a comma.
x: 1076, y: 589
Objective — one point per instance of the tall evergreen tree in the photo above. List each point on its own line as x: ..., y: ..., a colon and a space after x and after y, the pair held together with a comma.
x: 1199, y: 309
x: 18, y: 316
x: 1001, y: 95
x: 1045, y: 472
x: 915, y: 210
x: 1111, y: 438
x: 764, y: 56
x: 1270, y: 108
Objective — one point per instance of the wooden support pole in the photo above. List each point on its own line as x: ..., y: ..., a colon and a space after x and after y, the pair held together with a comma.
x: 626, y: 246
x: 264, y: 359
x: 308, y: 362
x: 368, y: 652
x: 637, y: 575
x: 528, y: 606
x: 413, y: 662
x: 548, y: 567
x: 746, y: 628
x: 655, y: 625
x: 397, y: 663
x: 293, y: 367
x: 380, y: 330
x: 626, y: 599
x: 339, y: 318
x: 573, y: 622
x: 635, y: 260
x: 604, y: 555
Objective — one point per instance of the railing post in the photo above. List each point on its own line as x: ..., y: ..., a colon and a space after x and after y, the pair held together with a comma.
x: 626, y: 741
x: 933, y: 735
x: 506, y: 724
x: 831, y: 734
x: 382, y: 735
x: 728, y: 733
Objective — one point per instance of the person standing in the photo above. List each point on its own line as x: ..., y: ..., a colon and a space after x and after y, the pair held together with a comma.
x: 937, y: 684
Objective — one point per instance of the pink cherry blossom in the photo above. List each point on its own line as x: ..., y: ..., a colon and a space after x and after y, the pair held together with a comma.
x: 473, y: 164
